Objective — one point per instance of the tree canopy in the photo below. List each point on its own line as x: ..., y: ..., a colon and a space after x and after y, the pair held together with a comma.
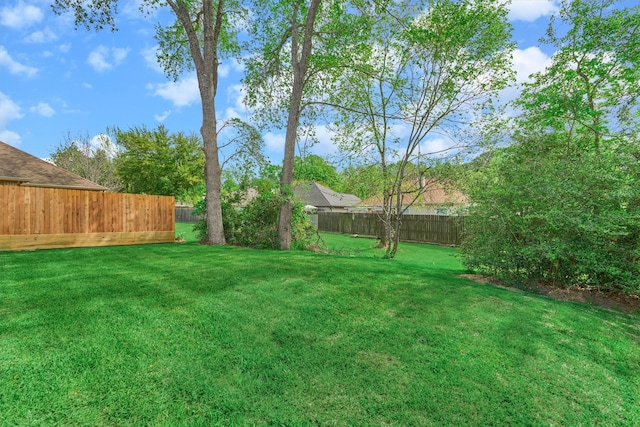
x: 433, y: 68
x: 314, y: 168
x: 561, y: 204
x: 155, y: 161
x: 94, y: 162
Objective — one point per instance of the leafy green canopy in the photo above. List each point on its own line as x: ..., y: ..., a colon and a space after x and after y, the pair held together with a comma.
x: 154, y: 161
x: 314, y: 168
x: 562, y: 203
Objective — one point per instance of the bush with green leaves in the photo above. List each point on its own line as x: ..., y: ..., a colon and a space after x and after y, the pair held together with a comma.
x: 254, y: 222
x: 561, y: 219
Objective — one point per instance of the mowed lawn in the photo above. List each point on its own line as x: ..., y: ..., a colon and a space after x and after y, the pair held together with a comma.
x: 184, y: 334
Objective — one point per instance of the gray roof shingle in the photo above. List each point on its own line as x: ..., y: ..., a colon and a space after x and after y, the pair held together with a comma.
x: 28, y: 170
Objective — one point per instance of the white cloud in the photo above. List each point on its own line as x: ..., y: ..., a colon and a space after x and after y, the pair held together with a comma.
x: 528, y: 61
x: 162, y: 117
x: 103, y: 58
x: 65, y: 47
x: 150, y: 57
x: 223, y: 70
x: 531, y: 10
x: 323, y: 145
x: 119, y: 54
x: 231, y: 113
x: 237, y: 65
x: 437, y: 147
x: 9, y: 111
x: 235, y: 97
x: 138, y: 9
x: 20, y: 16
x: 43, y: 36
x: 43, y: 109
x: 10, y: 137
x: 87, y: 85
x: 227, y: 67
x: 182, y: 93
x: 274, y: 142
x: 103, y: 141
x: 15, y: 67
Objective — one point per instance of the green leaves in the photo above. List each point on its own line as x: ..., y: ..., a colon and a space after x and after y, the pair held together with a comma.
x: 157, y: 162
x: 315, y: 168
x: 561, y: 204
x: 593, y: 81
x: 94, y: 14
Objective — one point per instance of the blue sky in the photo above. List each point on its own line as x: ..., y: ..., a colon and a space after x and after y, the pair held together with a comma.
x: 56, y: 80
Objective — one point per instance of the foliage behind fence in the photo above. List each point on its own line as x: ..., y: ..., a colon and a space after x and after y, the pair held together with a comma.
x: 443, y: 230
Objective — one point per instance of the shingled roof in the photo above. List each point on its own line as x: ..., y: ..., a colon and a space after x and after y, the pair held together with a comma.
x: 312, y: 193
x: 430, y: 193
x: 23, y: 168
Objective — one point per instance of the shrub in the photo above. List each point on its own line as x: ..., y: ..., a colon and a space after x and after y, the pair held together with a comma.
x: 254, y: 223
x: 528, y: 223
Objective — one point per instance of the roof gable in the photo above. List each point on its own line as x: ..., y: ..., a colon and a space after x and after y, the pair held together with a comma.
x: 25, y: 169
x: 318, y: 195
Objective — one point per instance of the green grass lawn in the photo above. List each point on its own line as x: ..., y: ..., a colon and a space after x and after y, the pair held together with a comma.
x: 184, y: 334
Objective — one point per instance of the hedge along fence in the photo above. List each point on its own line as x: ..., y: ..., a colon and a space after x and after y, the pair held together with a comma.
x: 438, y: 229
x: 38, y: 217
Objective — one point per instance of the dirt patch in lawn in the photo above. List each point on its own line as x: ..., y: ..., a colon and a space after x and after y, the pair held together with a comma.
x: 613, y: 300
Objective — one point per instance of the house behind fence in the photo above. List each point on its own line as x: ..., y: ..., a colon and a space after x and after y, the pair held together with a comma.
x: 438, y: 229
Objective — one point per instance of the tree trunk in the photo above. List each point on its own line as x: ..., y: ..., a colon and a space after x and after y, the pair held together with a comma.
x: 205, y: 57
x: 300, y: 63
x: 385, y: 237
x: 212, y: 178
x: 286, y: 180
x: 396, y: 217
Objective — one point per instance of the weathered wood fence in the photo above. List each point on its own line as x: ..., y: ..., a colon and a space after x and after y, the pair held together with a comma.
x: 185, y: 214
x: 36, y: 217
x: 442, y: 230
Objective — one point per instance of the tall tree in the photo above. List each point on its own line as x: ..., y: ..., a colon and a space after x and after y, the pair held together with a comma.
x: 435, y: 65
x: 154, y: 161
x: 298, y: 49
x: 204, y: 32
x: 562, y: 204
x: 93, y: 161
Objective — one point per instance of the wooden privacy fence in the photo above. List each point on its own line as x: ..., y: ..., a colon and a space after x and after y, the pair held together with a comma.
x: 442, y: 230
x: 185, y: 214
x: 37, y: 217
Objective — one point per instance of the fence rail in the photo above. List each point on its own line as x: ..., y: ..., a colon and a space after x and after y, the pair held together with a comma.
x: 443, y: 230
x: 36, y: 217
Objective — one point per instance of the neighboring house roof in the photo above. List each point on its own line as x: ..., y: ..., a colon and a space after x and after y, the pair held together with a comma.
x: 433, y: 193
x: 314, y: 194
x: 25, y: 169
